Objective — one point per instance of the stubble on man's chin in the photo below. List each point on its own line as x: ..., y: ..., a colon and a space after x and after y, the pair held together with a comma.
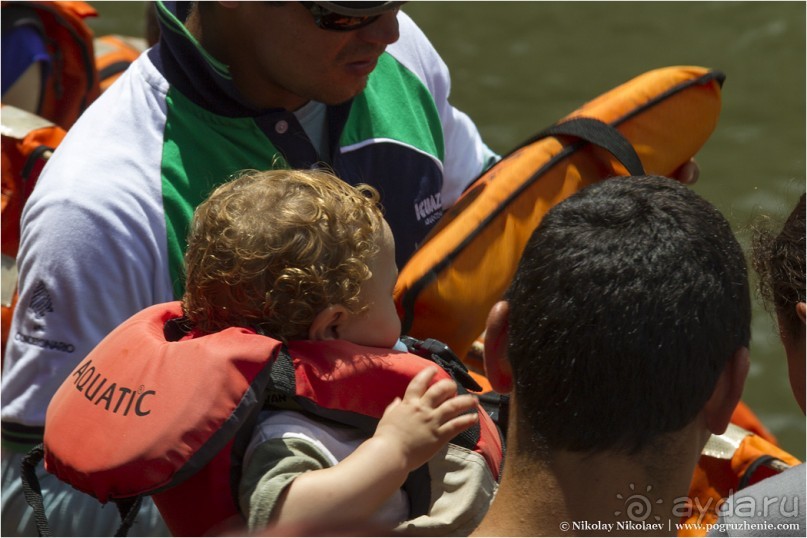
x: 328, y: 98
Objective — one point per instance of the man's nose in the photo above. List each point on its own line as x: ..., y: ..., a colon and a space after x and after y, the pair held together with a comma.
x: 382, y: 31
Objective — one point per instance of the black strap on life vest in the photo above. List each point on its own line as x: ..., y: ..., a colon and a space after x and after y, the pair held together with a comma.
x: 128, y: 509
x: 282, y: 395
x: 768, y: 461
x: 32, y: 491
x: 444, y: 357
x: 588, y: 131
x: 113, y: 69
x: 600, y: 134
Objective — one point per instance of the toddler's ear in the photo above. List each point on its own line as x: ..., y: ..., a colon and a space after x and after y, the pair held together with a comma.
x: 326, y: 324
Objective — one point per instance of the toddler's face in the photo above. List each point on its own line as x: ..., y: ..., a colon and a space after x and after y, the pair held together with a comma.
x: 378, y: 325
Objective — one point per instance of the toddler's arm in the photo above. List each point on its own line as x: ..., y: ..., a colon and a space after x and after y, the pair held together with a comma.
x: 411, y: 431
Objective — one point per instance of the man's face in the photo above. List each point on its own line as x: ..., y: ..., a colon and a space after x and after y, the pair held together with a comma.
x: 283, y: 59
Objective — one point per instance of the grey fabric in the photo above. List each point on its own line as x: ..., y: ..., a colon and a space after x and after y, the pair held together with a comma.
x: 69, y: 512
x: 772, y: 507
x: 462, y: 488
x: 273, y: 466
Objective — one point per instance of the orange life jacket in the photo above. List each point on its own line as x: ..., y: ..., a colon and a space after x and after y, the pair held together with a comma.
x: 72, y: 83
x: 113, y: 55
x: 27, y: 142
x: 156, y: 410
x: 665, y: 115
x: 728, y: 463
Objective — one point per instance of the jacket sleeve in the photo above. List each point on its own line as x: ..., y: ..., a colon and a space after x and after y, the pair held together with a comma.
x: 92, y: 251
x: 274, y: 465
x: 466, y: 155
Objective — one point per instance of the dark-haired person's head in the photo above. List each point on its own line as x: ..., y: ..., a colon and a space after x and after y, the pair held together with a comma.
x: 628, y: 318
x: 779, y: 261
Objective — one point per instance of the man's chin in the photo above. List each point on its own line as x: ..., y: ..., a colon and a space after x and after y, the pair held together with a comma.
x: 333, y: 98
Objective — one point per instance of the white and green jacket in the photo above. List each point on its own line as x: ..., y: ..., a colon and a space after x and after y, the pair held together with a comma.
x: 104, y: 231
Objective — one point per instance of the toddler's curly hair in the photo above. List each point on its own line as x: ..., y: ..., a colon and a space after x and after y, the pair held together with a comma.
x: 269, y: 250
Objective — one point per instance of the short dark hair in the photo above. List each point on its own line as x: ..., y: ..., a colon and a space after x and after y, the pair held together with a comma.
x: 779, y: 262
x: 630, y: 298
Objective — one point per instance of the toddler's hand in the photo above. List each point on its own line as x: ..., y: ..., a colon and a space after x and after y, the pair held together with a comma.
x: 426, y: 418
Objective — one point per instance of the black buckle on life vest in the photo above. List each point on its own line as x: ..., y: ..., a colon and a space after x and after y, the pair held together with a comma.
x: 441, y: 354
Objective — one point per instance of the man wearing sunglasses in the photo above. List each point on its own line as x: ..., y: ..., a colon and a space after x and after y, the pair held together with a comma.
x: 353, y: 86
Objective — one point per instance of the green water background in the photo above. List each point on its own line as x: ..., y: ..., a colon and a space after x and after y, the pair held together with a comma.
x: 519, y: 66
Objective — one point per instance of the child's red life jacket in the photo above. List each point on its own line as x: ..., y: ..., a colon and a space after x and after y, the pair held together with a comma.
x: 157, y: 410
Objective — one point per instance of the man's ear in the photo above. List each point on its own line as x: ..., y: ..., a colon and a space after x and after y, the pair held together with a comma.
x: 497, y: 365
x: 327, y: 323
x: 727, y: 392
x: 801, y: 311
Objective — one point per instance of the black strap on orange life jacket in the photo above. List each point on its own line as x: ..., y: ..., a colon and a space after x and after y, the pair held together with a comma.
x: 599, y: 133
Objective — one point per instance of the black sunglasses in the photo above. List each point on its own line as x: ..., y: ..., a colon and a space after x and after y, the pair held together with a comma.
x: 331, y: 20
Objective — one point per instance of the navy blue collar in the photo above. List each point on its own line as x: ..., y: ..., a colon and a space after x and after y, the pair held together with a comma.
x: 192, y: 70
x: 208, y: 83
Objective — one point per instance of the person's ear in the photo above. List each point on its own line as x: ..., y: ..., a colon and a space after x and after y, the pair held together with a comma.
x: 497, y: 365
x: 327, y: 323
x: 801, y: 311
x: 727, y: 392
